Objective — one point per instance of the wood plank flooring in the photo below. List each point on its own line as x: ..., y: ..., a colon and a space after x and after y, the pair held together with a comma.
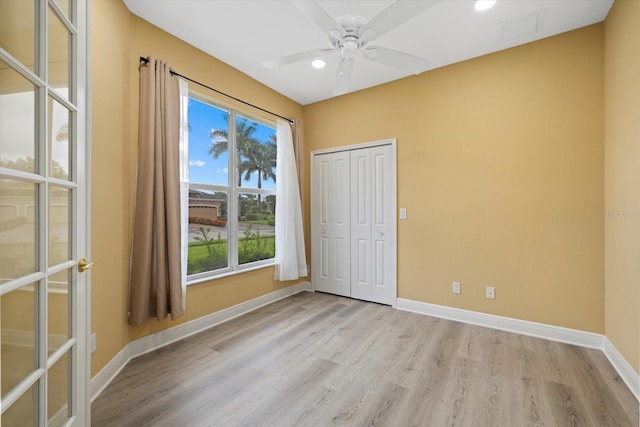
x: 322, y: 360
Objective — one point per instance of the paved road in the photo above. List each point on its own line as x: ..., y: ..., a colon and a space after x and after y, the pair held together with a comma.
x: 265, y: 230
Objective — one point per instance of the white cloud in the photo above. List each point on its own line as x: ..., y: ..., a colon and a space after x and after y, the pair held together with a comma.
x: 198, y: 163
x: 224, y: 171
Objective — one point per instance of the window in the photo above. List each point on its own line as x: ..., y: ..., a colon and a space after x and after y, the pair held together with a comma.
x: 232, y: 191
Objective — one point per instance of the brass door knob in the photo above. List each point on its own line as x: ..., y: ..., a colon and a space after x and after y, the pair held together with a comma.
x: 83, y: 265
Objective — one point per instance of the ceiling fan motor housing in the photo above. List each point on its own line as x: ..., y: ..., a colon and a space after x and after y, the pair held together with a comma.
x: 349, y: 46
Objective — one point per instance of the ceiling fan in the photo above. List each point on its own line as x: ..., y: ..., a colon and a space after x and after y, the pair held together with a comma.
x: 350, y: 34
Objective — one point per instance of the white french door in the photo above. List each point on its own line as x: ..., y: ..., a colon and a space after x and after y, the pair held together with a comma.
x: 44, y: 298
x: 353, y: 223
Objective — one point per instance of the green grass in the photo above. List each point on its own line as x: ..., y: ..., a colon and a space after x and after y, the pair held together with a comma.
x: 201, y: 258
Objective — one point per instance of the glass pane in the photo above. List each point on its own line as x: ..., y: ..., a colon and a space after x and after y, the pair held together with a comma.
x: 58, y: 140
x: 208, y: 139
x: 58, y: 54
x: 17, y: 127
x: 59, y: 202
x: 207, y: 231
x: 58, y: 392
x: 18, y: 201
x: 256, y: 144
x: 17, y: 30
x: 17, y: 353
x: 58, y: 314
x: 256, y: 227
x: 23, y: 412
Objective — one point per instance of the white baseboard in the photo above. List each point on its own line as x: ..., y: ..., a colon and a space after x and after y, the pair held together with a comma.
x: 101, y: 380
x: 624, y: 369
x: 538, y: 330
x: 524, y: 327
x: 152, y: 342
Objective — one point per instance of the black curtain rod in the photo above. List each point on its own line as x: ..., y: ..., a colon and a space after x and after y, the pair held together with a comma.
x: 146, y: 61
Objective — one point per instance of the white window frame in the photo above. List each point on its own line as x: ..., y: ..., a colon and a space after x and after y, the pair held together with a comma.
x: 232, y: 190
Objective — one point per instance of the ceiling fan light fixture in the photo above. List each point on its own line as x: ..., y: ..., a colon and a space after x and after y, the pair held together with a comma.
x: 482, y: 5
x: 318, y: 64
x: 349, y: 47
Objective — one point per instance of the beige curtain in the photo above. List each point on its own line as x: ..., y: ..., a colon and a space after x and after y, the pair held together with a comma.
x: 155, y: 288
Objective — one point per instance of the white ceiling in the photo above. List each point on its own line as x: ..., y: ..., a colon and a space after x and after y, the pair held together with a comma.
x: 243, y: 33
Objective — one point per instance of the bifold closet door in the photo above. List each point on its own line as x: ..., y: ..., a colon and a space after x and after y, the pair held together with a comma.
x: 372, y: 236
x: 331, y: 223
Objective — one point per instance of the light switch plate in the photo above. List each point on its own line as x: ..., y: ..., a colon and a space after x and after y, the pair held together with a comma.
x: 403, y: 213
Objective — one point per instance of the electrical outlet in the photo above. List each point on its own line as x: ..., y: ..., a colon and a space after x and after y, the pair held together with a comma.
x: 92, y: 340
x: 456, y: 287
x: 491, y: 292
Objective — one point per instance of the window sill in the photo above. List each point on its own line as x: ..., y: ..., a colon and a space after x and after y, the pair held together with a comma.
x: 211, y: 277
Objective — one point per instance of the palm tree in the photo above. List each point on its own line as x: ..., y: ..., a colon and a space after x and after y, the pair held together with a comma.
x: 244, y: 140
x: 260, y: 158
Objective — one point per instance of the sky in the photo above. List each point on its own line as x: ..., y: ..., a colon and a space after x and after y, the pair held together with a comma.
x: 203, y: 167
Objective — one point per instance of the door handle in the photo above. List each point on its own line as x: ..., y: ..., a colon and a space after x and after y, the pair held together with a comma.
x: 83, y: 265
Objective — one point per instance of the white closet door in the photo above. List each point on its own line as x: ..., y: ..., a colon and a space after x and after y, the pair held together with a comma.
x: 383, y: 246
x: 331, y: 224
x: 361, y: 184
x: 372, y: 222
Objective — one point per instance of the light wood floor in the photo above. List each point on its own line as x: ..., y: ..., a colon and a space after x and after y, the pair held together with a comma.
x: 322, y: 360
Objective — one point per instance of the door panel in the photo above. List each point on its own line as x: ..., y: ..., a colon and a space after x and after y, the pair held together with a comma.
x: 330, y: 224
x: 383, y: 226
x: 324, y: 258
x: 361, y: 224
x: 379, y: 264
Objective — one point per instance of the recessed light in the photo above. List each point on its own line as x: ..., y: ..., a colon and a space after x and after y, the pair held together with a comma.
x: 318, y: 64
x: 484, y: 4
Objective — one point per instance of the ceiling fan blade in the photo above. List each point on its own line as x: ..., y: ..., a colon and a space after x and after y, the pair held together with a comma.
x: 396, y: 59
x: 315, y: 12
x: 296, y: 57
x: 398, y: 13
x: 343, y: 77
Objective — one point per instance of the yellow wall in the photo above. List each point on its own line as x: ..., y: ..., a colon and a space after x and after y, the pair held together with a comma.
x: 110, y: 169
x: 118, y: 40
x: 622, y: 179
x: 500, y: 165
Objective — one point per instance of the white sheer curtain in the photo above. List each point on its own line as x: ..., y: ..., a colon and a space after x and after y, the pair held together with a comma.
x: 184, y: 183
x: 291, y: 262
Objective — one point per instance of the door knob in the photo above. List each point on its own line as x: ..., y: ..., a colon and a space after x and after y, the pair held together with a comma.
x: 83, y: 265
